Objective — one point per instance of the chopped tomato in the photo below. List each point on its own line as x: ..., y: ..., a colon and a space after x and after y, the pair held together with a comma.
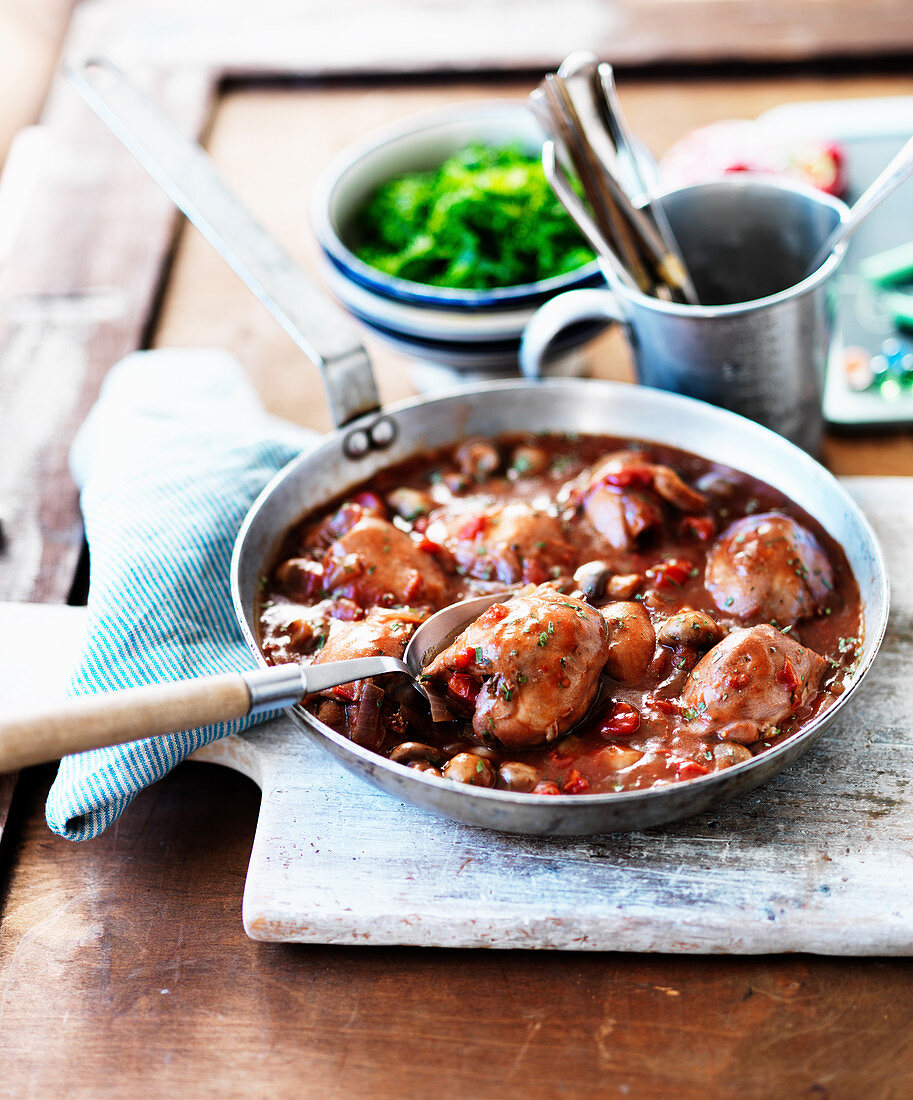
x: 690, y: 769
x: 701, y: 527
x: 575, y: 783
x: 622, y: 721
x: 464, y: 659
x: 672, y: 573
x: 667, y: 706
x: 345, y: 692
x: 788, y: 677
x: 472, y: 527
x: 546, y: 786
x: 463, y: 687
x: 493, y: 615
x: 640, y: 476
x: 428, y: 546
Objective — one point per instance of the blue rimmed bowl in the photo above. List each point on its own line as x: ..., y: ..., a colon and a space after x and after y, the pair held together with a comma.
x: 463, y: 329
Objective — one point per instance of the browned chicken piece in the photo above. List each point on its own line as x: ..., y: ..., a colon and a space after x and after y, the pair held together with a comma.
x: 374, y: 562
x: 507, y: 543
x: 768, y: 568
x: 632, y: 641
x: 529, y: 667
x: 623, y: 493
x: 383, y: 632
x: 750, y: 683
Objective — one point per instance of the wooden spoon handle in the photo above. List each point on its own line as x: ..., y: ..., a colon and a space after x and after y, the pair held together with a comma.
x: 91, y: 721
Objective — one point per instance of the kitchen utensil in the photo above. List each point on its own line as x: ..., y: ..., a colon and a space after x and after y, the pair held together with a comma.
x: 377, y: 439
x: 112, y: 718
x: 894, y: 173
x: 760, y: 343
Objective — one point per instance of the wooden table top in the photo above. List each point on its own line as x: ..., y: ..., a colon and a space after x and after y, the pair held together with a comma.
x: 124, y: 969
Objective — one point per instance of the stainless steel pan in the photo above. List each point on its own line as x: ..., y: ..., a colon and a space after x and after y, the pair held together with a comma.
x: 368, y: 439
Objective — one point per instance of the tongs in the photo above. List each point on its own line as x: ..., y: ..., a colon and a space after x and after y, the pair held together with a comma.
x: 622, y: 218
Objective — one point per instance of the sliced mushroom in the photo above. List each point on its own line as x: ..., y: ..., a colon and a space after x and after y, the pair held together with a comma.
x: 632, y: 641
x: 478, y: 458
x: 409, y: 504
x: 515, y: 776
x: 527, y: 461
x: 691, y: 628
x: 468, y: 767
x: 591, y: 579
x: 727, y: 753
x: 414, y: 752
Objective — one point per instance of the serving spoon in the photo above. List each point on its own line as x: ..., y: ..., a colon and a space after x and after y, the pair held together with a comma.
x: 35, y: 736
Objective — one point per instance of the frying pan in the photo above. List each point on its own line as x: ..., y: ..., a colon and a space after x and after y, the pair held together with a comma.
x: 369, y: 439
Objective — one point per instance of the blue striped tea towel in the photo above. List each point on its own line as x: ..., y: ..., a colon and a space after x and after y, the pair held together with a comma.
x: 168, y: 463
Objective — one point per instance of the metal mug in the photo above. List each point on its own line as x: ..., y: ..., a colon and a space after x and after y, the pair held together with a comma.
x: 760, y: 343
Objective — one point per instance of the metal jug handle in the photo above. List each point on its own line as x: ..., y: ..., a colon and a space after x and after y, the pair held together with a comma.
x: 560, y: 313
x: 323, y: 331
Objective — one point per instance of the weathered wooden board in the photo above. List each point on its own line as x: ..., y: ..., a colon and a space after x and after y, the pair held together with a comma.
x: 819, y: 860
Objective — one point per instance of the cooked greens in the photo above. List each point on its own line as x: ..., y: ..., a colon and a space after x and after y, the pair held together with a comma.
x: 485, y: 218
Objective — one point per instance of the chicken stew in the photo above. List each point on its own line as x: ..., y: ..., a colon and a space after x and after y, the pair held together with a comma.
x: 664, y: 617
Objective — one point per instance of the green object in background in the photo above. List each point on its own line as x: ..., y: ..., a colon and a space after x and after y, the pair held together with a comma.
x: 485, y: 218
x: 890, y: 267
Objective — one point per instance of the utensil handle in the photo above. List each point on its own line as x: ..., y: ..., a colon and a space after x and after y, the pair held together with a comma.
x: 115, y: 717
x: 558, y: 314
x: 323, y: 331
x: 898, y: 169
x: 112, y: 718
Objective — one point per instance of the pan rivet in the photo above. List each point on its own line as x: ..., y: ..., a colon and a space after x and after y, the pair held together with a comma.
x: 382, y: 432
x: 357, y: 443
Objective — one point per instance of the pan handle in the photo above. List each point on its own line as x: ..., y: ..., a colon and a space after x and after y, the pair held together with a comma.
x: 323, y: 331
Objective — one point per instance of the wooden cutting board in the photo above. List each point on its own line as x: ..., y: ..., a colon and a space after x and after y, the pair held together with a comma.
x: 819, y: 860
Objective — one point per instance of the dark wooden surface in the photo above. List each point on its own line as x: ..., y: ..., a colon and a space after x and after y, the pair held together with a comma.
x: 124, y: 970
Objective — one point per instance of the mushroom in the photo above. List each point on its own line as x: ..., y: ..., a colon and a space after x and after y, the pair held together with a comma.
x: 515, y: 776
x: 468, y: 767
x: 413, y: 753
x: 692, y: 628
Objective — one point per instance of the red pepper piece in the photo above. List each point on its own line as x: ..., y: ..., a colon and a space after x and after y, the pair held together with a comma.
x: 464, y: 659
x: 667, y: 706
x: 641, y: 476
x: 463, y: 687
x: 690, y: 769
x: 472, y: 528
x: 701, y: 527
x: 346, y: 692
x: 788, y: 677
x: 622, y: 721
x: 575, y: 783
x: 672, y: 573
x: 493, y: 615
x: 546, y: 786
x: 428, y: 546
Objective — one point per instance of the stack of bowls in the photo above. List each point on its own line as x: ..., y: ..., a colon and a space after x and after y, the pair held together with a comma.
x: 471, y: 331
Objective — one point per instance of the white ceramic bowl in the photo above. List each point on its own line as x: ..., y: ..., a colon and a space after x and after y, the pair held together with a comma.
x: 464, y: 329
